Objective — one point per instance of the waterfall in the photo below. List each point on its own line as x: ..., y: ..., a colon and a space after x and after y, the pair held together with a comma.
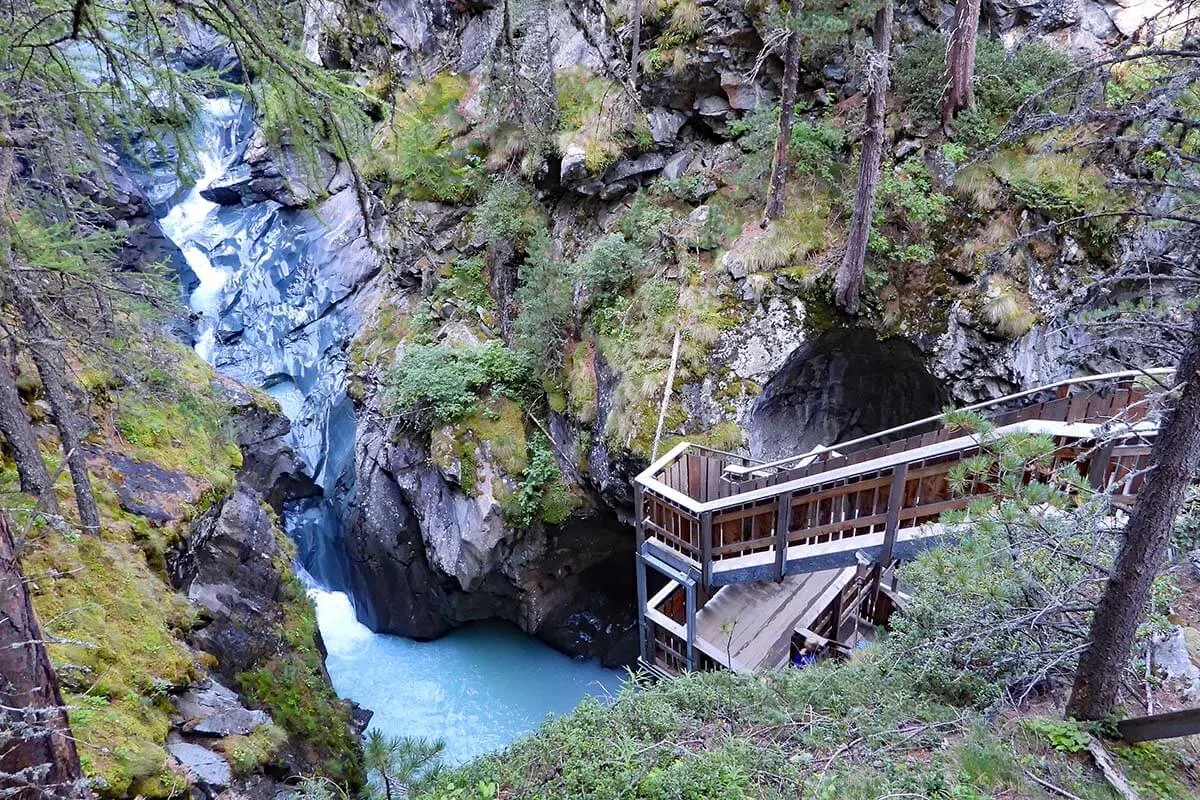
x: 265, y: 315
x: 267, y: 299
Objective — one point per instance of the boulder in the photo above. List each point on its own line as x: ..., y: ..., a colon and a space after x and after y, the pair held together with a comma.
x: 207, y: 768
x: 665, y: 123
x: 742, y: 94
x: 573, y: 167
x: 1171, y: 656
x: 144, y: 488
x: 212, y: 709
x: 228, y: 567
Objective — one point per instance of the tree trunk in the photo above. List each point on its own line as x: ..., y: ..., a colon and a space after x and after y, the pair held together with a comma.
x: 848, y: 284
x: 22, y: 441
x: 787, y: 106
x: 636, y: 46
x: 1174, y: 460
x: 49, y: 362
x: 959, y: 91
x: 37, y: 754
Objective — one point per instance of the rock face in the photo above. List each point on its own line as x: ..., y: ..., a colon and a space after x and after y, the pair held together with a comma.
x: 235, y: 566
x: 229, y: 569
x: 425, y: 558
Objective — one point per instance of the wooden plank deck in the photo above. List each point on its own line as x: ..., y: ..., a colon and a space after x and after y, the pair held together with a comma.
x: 762, y: 617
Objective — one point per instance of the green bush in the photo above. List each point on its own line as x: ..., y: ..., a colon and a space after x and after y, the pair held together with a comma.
x: 465, y: 281
x: 437, y: 383
x: 607, y: 268
x: 509, y: 213
x: 645, y: 222
x: 541, y: 494
x: 815, y: 147
x: 544, y: 291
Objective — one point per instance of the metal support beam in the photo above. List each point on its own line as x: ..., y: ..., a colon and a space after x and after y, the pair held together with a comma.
x: 895, y: 501
x: 890, y: 527
x: 690, y: 588
x: 639, y: 514
x: 643, y: 632
x: 783, y: 523
x: 706, y: 543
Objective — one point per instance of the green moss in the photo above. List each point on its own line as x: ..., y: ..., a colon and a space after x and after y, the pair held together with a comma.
x: 173, y: 417
x: 498, y: 427
x: 581, y: 383
x: 256, y: 749
x: 118, y: 652
x: 376, y: 341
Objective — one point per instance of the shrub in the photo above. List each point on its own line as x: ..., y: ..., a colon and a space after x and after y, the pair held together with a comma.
x: 606, y: 269
x: 443, y: 383
x: 544, y: 296
x: 415, y: 151
x: 541, y: 493
x: 509, y: 213
x: 1002, y: 81
x: 645, y: 222
x: 465, y: 281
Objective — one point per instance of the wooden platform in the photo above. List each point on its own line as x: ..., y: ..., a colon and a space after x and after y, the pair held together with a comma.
x: 753, y: 550
x: 748, y: 626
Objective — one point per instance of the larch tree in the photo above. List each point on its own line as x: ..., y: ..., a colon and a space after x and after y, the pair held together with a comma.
x: 1174, y: 461
x: 78, y: 85
x: 47, y: 355
x: 848, y: 283
x: 959, y: 91
x: 38, y: 758
x: 787, y: 111
x: 22, y: 442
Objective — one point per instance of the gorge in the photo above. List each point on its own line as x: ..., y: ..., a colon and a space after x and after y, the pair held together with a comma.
x: 267, y: 311
x: 337, y: 338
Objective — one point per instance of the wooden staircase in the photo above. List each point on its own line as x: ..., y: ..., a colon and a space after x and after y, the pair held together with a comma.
x: 750, y: 550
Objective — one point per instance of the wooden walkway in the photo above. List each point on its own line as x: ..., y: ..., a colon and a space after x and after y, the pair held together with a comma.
x: 711, y: 521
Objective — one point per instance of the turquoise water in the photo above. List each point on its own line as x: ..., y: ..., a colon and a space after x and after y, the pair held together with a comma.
x: 479, y: 688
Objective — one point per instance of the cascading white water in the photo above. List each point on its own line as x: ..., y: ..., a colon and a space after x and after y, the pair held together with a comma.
x: 188, y: 221
x: 265, y: 318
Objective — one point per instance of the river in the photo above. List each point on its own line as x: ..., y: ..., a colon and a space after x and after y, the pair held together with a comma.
x: 267, y: 315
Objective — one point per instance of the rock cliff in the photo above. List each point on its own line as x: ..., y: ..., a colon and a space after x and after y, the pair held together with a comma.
x: 464, y: 178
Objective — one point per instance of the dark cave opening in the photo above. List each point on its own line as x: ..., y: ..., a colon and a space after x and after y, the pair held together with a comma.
x: 844, y: 384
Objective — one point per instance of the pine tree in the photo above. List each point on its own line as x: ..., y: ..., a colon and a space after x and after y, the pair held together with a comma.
x: 848, y: 283
x: 1174, y: 461
x: 787, y: 111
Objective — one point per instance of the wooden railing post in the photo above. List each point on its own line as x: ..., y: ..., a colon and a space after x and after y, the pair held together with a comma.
x: 891, y: 526
x: 706, y: 545
x: 1099, y: 467
x: 783, y: 523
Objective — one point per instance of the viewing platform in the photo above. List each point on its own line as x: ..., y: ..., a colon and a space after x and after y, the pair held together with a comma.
x: 756, y: 554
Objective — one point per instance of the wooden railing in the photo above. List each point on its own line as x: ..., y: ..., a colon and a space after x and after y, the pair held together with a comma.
x: 708, y: 507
